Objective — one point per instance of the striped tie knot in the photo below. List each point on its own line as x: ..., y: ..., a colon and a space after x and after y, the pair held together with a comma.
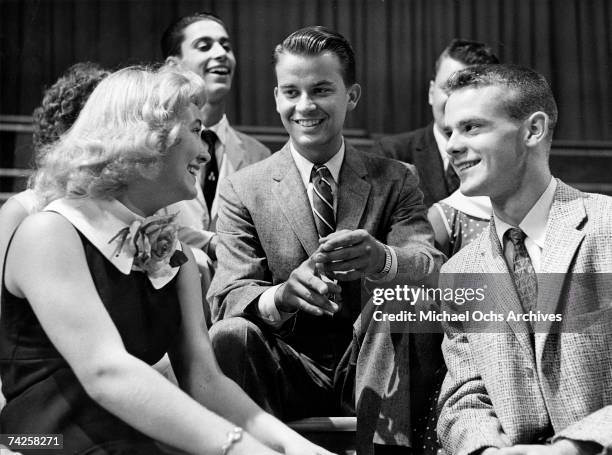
x: 320, y: 171
x: 516, y: 236
x: 209, y: 137
x: 323, y: 200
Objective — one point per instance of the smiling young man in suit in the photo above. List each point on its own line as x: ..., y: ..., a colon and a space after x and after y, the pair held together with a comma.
x: 526, y: 387
x: 298, y: 232
x: 426, y: 147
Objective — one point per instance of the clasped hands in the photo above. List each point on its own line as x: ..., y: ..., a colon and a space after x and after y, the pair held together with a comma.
x: 343, y: 255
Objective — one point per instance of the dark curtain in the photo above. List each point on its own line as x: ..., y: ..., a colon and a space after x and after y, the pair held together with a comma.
x: 396, y: 42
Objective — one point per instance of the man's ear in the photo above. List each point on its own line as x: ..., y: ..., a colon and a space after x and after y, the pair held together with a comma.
x: 276, y: 99
x: 536, y: 128
x: 354, y: 93
x: 173, y: 60
x: 430, y: 93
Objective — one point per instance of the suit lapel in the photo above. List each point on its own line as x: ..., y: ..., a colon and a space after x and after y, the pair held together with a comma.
x: 353, y: 191
x: 291, y: 197
x: 427, y: 157
x: 563, y: 238
x: 234, y: 150
x: 290, y: 194
x: 505, y: 294
x: 563, y: 233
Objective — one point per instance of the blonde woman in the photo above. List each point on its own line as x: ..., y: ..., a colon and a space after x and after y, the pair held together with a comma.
x: 96, y: 290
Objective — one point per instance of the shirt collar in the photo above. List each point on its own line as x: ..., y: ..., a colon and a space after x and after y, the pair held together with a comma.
x: 99, y: 220
x: 305, y: 166
x: 221, y: 129
x: 441, y: 141
x: 534, y: 223
x: 476, y: 206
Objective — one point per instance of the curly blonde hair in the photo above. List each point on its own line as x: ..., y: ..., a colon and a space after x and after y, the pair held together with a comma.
x: 121, y: 134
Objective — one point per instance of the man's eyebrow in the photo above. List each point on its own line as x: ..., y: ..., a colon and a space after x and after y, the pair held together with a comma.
x: 201, y: 38
x: 323, y: 82
x: 469, y: 120
x: 209, y: 39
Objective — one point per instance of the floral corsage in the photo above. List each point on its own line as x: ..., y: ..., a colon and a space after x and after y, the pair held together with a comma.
x: 153, y: 243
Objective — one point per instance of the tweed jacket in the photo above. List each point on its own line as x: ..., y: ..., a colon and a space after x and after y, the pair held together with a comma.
x: 267, y: 230
x: 418, y: 147
x: 500, y: 391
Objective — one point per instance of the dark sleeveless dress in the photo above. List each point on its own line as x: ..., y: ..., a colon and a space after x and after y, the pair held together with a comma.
x: 42, y: 392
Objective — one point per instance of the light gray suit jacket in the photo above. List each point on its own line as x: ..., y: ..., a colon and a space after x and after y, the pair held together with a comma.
x: 267, y: 230
x: 498, y: 391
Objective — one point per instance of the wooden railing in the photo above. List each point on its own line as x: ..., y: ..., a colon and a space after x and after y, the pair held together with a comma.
x: 16, y: 123
x: 334, y: 433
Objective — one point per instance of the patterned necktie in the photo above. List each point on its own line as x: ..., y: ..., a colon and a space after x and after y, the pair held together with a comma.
x: 211, y: 171
x: 452, y: 179
x: 323, y: 200
x: 523, y: 271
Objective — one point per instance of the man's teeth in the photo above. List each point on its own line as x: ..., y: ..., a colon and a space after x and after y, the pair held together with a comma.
x: 219, y: 70
x: 308, y: 122
x: 468, y: 165
x: 193, y: 170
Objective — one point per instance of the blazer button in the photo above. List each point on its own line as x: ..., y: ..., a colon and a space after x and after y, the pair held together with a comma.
x: 529, y: 372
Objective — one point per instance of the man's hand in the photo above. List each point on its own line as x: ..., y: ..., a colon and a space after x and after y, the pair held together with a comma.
x: 306, y: 291
x: 349, y: 254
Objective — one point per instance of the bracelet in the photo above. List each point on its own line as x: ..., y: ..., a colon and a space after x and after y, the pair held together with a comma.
x: 387, y: 266
x: 232, y: 438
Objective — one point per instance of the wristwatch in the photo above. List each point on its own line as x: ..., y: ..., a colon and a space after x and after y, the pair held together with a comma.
x: 387, y: 266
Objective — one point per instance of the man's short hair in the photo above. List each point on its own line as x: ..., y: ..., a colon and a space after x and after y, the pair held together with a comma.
x: 466, y: 52
x: 173, y: 36
x: 526, y: 90
x: 316, y: 40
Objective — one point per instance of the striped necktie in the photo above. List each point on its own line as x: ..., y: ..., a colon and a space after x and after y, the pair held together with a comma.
x: 323, y: 200
x: 522, y: 269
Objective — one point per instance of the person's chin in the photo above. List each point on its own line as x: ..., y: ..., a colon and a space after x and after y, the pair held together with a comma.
x: 309, y: 141
x: 217, y: 91
x: 189, y: 192
x: 472, y: 188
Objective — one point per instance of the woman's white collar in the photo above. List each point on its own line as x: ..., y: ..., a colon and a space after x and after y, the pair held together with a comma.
x: 100, y: 221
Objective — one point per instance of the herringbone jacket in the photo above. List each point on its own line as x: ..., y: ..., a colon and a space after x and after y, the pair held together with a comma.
x: 510, y: 387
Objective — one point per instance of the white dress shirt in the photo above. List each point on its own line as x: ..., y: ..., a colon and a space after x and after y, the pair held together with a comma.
x: 533, y: 225
x: 441, y: 141
x: 226, y: 138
